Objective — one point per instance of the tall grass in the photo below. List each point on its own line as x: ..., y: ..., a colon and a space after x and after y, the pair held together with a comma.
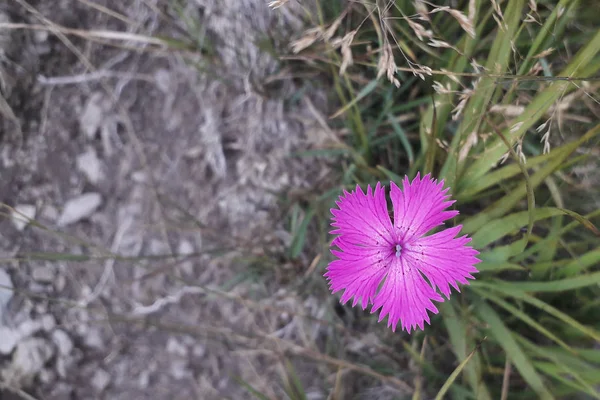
x: 484, y: 92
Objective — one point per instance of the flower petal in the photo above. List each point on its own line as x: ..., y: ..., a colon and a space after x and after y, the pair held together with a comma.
x: 420, y: 207
x: 405, y: 296
x: 358, y: 271
x: 443, y: 259
x: 363, y: 219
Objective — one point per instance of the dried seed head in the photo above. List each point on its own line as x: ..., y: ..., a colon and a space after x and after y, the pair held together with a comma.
x: 516, y: 127
x: 333, y: 27
x: 419, y: 30
x: 533, y: 5
x: 422, y: 10
x: 466, y: 147
x: 472, y: 11
x: 530, y: 18
x: 509, y: 110
x: 520, y: 153
x: 439, y: 43
x: 310, y: 36
x: 545, y: 53
x: 465, y: 23
x: 441, y: 89
x: 346, y: 51
x: 387, y: 64
x: 460, y: 107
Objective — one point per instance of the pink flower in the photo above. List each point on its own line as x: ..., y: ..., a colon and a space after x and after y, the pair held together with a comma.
x: 385, y: 262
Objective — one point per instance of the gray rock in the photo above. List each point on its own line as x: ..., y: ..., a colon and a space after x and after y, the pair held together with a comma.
x: 93, y: 339
x: 179, y: 369
x: 31, y: 326
x: 144, y: 379
x: 22, y: 214
x: 63, y: 342
x: 93, y: 115
x: 43, y: 274
x: 100, y: 380
x: 6, y: 291
x: 90, y: 165
x: 48, y: 323
x: 28, y: 360
x: 8, y: 339
x: 186, y: 248
x: 175, y: 347
x: 79, y: 208
x: 46, y: 376
x: 49, y: 213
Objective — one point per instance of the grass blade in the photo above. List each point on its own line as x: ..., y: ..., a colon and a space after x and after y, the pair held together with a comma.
x: 505, y: 338
x: 454, y: 375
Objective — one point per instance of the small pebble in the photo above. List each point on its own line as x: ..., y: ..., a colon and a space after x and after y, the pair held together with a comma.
x: 22, y: 214
x: 79, y: 208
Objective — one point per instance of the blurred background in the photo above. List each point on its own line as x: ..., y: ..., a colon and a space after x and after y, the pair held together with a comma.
x: 167, y: 170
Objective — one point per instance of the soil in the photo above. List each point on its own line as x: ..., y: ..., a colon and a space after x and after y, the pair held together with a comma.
x: 171, y: 159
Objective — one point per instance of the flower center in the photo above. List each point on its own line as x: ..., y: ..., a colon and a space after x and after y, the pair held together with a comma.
x: 398, y: 250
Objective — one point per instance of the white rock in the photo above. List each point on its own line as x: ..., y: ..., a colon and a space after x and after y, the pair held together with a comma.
x: 28, y: 360
x: 93, y: 339
x: 49, y: 213
x: 144, y: 379
x: 40, y: 36
x: 178, y: 369
x: 31, y: 326
x: 139, y: 177
x: 48, y: 323
x: 176, y: 347
x: 60, y: 282
x: 8, y: 339
x: 100, y: 380
x: 22, y: 214
x: 199, y: 351
x: 61, y: 367
x: 79, y: 208
x: 6, y: 291
x: 43, y: 274
x: 90, y: 165
x: 186, y: 248
x: 163, y: 80
x: 93, y: 115
x: 63, y: 342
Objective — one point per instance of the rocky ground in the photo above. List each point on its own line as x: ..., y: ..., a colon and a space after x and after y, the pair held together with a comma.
x: 127, y: 147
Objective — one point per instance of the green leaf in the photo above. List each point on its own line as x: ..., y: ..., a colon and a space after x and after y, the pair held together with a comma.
x: 251, y: 389
x: 523, y: 317
x: 509, y: 290
x: 490, y: 266
x: 504, y: 337
x: 589, y: 259
x: 403, y: 139
x: 454, y: 375
x: 581, y: 65
x: 503, y: 174
x: 501, y: 227
x: 560, y: 285
x: 457, y: 331
x: 502, y: 254
x: 300, y: 234
x: 365, y: 91
x: 508, y: 202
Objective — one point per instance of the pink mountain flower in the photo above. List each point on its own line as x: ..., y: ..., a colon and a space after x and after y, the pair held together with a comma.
x: 384, y: 262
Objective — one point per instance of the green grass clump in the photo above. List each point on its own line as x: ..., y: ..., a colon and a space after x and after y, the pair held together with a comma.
x: 481, y: 103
